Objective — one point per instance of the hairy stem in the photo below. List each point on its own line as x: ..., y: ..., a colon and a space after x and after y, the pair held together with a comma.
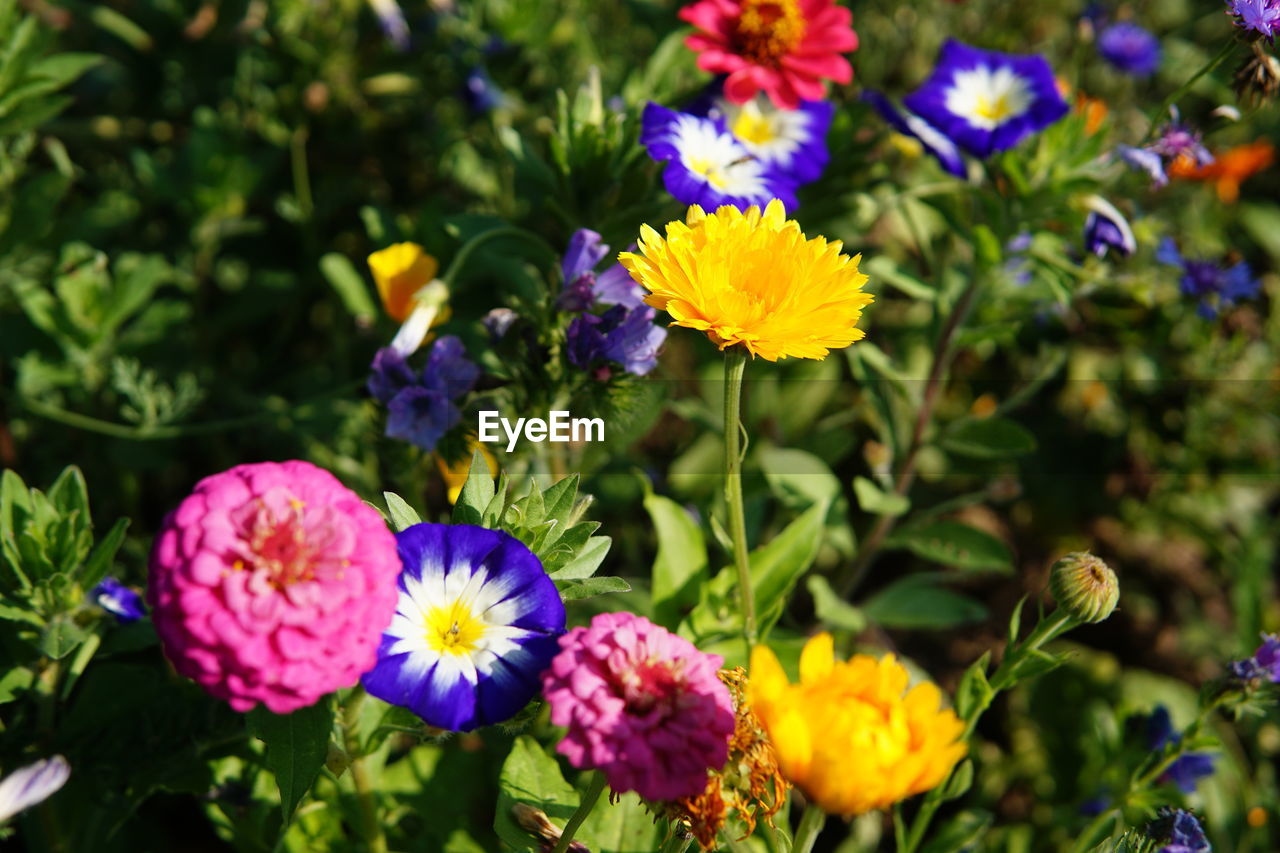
x: 735, y: 364
x: 811, y: 823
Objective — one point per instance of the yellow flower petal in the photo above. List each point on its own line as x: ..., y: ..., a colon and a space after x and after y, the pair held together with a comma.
x: 817, y: 659
x: 400, y: 271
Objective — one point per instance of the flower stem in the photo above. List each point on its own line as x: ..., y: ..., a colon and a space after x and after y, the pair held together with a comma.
x: 735, y: 365
x: 507, y: 231
x: 372, y: 827
x: 811, y: 823
x: 589, y: 800
x: 1162, y: 111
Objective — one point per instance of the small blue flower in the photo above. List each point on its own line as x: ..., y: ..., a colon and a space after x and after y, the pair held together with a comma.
x: 118, y: 600
x: 477, y: 621
x: 1187, y: 769
x: 793, y: 142
x: 480, y: 92
x: 1180, y: 830
x: 1208, y: 282
x: 578, y: 270
x: 1106, y: 228
x: 1264, y: 664
x: 1146, y: 160
x: 626, y: 336
x: 1130, y: 48
x: 934, y: 141
x: 420, y: 407
x: 986, y: 101
x: 706, y: 165
x: 1260, y: 16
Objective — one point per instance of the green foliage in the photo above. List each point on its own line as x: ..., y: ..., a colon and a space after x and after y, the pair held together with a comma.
x: 297, y: 746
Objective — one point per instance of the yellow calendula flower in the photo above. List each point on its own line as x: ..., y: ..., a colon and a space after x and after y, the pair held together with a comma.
x: 753, y: 279
x: 850, y: 735
x: 400, y: 271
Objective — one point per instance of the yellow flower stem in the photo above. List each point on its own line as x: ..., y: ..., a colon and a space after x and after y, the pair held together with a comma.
x: 811, y: 823
x: 371, y: 826
x: 735, y: 365
x: 594, y: 789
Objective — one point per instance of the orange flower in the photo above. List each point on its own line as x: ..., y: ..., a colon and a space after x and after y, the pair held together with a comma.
x: 1093, y: 110
x: 1230, y: 169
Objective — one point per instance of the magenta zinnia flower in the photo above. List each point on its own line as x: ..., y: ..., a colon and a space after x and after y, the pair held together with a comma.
x: 641, y: 704
x: 272, y: 583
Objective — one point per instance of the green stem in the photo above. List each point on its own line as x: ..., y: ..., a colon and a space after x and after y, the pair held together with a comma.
x: 589, y: 800
x: 735, y: 365
x: 1084, y: 841
x: 811, y: 823
x: 676, y: 843
x: 468, y: 248
x: 1162, y: 112
x: 371, y: 827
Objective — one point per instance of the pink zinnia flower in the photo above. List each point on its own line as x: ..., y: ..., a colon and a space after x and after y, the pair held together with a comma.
x: 641, y: 704
x: 272, y: 583
x: 785, y: 47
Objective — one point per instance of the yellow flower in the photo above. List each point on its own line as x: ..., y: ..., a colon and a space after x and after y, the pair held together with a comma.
x: 400, y: 271
x: 850, y: 735
x: 753, y: 279
x: 455, y: 475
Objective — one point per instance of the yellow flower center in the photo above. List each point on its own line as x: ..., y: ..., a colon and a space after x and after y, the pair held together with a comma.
x: 453, y: 629
x: 709, y: 170
x: 996, y: 109
x: 753, y: 127
x: 768, y: 30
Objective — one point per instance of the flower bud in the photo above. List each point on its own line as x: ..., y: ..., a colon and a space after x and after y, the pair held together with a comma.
x: 1084, y: 586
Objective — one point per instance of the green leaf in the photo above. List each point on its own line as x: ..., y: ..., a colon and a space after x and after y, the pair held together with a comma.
x: 575, y: 590
x: 954, y: 544
x: 586, y: 562
x: 832, y: 610
x: 69, y: 494
x: 103, y: 555
x: 297, y: 745
x: 476, y: 493
x: 622, y: 827
x: 497, y: 505
x: 401, y: 514
x: 63, y: 68
x: 916, y: 602
x: 350, y: 287
x: 532, y: 778
x: 777, y: 566
x: 681, y: 561
x: 989, y: 438
x: 799, y: 478
x: 1037, y: 662
x: 960, y: 782
x: 974, y: 691
x: 959, y: 833
x: 876, y: 501
x: 62, y: 636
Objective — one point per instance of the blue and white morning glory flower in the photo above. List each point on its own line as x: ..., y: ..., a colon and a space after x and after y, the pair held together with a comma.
x: 987, y: 101
x: 934, y: 141
x: 477, y: 621
x: 118, y: 600
x: 35, y: 783
x: 1106, y: 229
x: 707, y: 165
x: 794, y: 142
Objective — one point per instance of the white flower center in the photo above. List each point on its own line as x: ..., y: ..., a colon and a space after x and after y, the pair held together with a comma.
x: 717, y: 158
x: 988, y: 97
x: 766, y: 131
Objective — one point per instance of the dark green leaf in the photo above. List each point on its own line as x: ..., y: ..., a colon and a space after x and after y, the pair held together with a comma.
x: 297, y: 745
x: 974, y: 691
x: 960, y: 833
x: 831, y: 609
x: 954, y: 544
x: 681, y: 561
x: 401, y: 514
x: 103, y: 555
x: 532, y: 778
x: 62, y: 636
x: 989, y: 438
x: 916, y: 602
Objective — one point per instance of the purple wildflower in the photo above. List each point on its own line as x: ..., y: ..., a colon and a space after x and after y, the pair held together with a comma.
x: 118, y: 600
x: 35, y: 783
x: 1259, y: 16
x: 391, y: 19
x: 1130, y: 48
x: 1188, y: 768
x: 420, y: 406
x: 1180, y: 831
x: 1213, y: 286
x: 626, y: 336
x: 1265, y: 663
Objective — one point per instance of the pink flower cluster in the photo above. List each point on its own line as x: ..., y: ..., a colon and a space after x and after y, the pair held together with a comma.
x: 641, y: 704
x: 272, y: 583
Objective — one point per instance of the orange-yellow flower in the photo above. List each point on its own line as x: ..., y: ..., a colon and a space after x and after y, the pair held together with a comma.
x: 400, y: 271
x: 850, y: 735
x: 753, y: 279
x: 1231, y: 168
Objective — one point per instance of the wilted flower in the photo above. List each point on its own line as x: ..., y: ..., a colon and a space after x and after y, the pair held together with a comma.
x: 476, y: 621
x: 118, y: 600
x: 784, y: 47
x: 1229, y: 169
x: 934, y: 141
x: 850, y: 735
x: 706, y: 165
x: 1258, y: 79
x: 1084, y: 587
x: 641, y: 704
x: 421, y: 406
x: 1264, y: 664
x: 535, y: 822
x: 987, y: 101
x: 1130, y: 48
x: 1187, y: 769
x: 33, y: 784
x: 271, y: 583
x: 753, y: 279
x: 1259, y: 16
x: 1212, y: 285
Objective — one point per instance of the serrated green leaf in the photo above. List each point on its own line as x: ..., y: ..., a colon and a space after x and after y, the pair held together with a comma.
x: 917, y: 602
x: 531, y: 778
x: 568, y: 546
x: 558, y: 500
x: 954, y: 544
x: 831, y: 610
x: 476, y: 493
x: 497, y: 505
x: 876, y: 501
x: 575, y: 590
x: 401, y: 514
x: 587, y: 561
x: 989, y: 438
x: 681, y: 561
x: 297, y: 745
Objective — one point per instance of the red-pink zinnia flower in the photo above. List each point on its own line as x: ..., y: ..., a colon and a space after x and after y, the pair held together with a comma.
x: 641, y: 704
x: 272, y: 583
x: 785, y: 47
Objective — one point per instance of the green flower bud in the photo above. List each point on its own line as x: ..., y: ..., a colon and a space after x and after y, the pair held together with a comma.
x: 1084, y: 586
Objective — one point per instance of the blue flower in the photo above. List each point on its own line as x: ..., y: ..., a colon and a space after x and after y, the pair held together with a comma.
x: 477, y: 621
x: 1146, y: 160
x: 118, y: 600
x: 1265, y: 662
x: 626, y: 336
x: 1180, y: 830
x: 987, y: 101
x: 1106, y: 228
x: 420, y: 406
x: 1187, y: 769
x: 1130, y: 48
x: 1213, y: 286
x: 792, y: 142
x: 1260, y: 16
x: 706, y: 165
x: 583, y: 287
x: 480, y: 92
x: 934, y: 141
